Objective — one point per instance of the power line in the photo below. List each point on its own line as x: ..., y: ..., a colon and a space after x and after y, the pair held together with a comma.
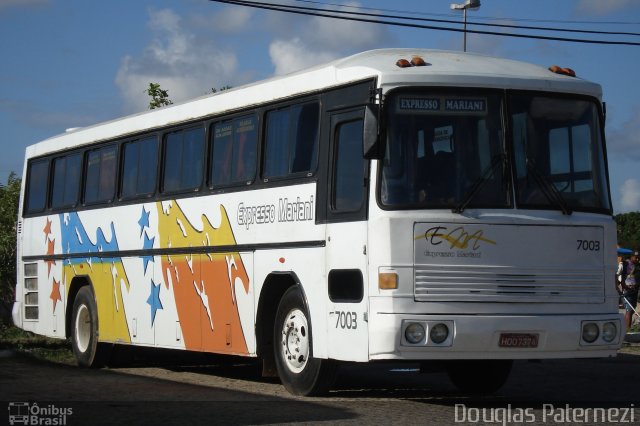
x: 335, y: 14
x: 449, y: 21
x: 487, y: 18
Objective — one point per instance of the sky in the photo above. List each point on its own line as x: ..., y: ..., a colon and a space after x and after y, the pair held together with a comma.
x: 73, y: 63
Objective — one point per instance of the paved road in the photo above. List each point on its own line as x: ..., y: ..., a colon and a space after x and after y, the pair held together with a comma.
x: 221, y: 393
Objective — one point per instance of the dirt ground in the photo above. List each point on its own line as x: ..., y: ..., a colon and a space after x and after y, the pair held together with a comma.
x: 230, y: 392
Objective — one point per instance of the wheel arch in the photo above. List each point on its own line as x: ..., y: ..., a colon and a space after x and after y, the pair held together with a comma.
x: 273, y: 288
x: 76, y: 284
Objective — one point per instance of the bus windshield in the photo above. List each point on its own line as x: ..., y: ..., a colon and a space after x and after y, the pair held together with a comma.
x: 445, y: 150
x: 559, y: 156
x: 450, y: 151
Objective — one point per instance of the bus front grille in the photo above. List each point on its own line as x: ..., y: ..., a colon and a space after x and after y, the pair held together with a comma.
x: 505, y: 284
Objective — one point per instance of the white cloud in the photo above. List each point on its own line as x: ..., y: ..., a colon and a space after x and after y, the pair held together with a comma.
x: 183, y: 64
x: 229, y: 20
x: 630, y: 196
x: 322, y: 40
x: 338, y: 34
x: 292, y: 55
x: 603, y: 7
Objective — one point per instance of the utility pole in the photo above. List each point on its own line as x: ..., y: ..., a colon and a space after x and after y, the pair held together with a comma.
x: 468, y: 4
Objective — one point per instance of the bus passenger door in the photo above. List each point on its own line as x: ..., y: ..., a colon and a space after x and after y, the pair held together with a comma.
x: 346, y: 238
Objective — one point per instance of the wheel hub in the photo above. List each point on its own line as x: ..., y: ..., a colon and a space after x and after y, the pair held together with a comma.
x: 83, y: 328
x: 295, y: 341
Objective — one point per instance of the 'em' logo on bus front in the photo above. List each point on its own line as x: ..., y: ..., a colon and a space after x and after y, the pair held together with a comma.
x: 458, y: 238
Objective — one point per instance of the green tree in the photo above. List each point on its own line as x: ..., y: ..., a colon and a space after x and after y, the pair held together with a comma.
x: 159, y: 97
x: 222, y: 89
x: 9, y: 197
x: 628, y: 227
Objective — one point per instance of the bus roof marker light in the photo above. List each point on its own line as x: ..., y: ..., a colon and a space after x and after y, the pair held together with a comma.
x: 403, y: 63
x: 417, y: 61
x: 564, y: 71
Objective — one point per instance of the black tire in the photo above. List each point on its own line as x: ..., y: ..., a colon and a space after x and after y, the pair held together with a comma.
x: 84, y: 331
x: 479, y: 376
x: 299, y: 372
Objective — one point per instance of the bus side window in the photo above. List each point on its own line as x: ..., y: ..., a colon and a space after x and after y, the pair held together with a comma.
x: 244, y: 149
x: 233, y: 151
x: 349, y: 175
x: 140, y: 168
x: 37, y: 184
x: 221, y: 152
x: 291, y: 141
x: 66, y: 181
x: 183, y: 160
x: 305, y: 152
x: 100, y: 179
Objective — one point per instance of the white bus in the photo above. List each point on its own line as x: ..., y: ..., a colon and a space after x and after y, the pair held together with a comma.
x: 399, y: 204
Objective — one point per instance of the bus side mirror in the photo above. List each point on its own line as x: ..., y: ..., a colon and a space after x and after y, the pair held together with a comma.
x: 371, y: 140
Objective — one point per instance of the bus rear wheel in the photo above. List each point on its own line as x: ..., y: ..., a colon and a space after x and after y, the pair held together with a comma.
x: 479, y: 376
x: 84, y: 337
x: 300, y: 373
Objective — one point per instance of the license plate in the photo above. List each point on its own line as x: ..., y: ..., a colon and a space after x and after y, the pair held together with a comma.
x: 518, y: 340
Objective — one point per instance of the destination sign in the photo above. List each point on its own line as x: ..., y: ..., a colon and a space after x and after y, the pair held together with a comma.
x: 420, y: 104
x: 465, y: 105
x: 443, y: 105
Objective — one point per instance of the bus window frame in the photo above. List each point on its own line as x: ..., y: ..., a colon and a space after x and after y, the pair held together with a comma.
x: 33, y: 212
x: 141, y: 137
x: 199, y: 124
x: 287, y: 106
x: 116, y: 177
x: 80, y: 184
x: 257, y: 114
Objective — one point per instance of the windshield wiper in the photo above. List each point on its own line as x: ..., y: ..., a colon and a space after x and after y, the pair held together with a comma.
x: 479, y: 183
x: 548, y: 189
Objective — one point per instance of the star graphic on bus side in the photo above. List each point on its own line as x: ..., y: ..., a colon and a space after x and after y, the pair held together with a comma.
x: 144, y: 220
x: 147, y: 245
x: 154, y: 300
x: 50, y: 249
x: 47, y: 230
x: 55, y: 293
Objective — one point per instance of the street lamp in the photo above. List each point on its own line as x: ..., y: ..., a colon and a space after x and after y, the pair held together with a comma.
x: 468, y: 4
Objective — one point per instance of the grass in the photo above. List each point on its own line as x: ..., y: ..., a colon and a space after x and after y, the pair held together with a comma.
x: 40, y: 347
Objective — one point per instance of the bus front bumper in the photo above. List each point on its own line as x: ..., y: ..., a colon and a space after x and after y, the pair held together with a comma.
x: 398, y: 336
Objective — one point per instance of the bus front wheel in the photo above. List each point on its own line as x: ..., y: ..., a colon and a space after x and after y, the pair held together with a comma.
x: 84, y: 338
x: 300, y: 373
x: 479, y: 376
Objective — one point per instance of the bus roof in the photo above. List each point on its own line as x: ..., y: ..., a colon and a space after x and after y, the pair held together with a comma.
x: 443, y: 68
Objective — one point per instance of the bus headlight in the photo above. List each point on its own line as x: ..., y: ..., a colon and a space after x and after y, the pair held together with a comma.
x: 590, y: 332
x: 439, y: 333
x: 414, y: 333
x: 609, y: 332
